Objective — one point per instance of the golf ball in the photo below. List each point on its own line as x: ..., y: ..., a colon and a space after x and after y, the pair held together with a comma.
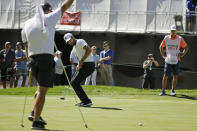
x: 140, y: 124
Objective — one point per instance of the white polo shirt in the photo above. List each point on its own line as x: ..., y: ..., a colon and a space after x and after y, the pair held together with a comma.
x: 39, y: 43
x: 80, y: 52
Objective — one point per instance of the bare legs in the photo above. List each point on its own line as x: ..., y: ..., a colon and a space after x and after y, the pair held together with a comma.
x: 39, y: 102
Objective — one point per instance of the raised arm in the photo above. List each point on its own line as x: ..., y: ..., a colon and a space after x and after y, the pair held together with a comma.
x: 66, y: 5
x: 146, y: 64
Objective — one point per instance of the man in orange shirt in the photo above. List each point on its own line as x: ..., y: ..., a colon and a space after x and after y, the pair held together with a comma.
x: 173, y: 43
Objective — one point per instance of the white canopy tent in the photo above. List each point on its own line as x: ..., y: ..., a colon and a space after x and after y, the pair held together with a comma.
x: 102, y: 15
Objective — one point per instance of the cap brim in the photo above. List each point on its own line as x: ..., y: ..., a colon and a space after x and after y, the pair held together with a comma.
x: 7, y: 43
x: 67, y: 40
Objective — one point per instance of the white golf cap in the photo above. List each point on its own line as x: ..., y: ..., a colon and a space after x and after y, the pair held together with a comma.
x: 67, y: 37
x: 173, y: 27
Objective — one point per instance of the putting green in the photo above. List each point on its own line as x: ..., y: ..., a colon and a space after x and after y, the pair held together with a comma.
x: 109, y: 113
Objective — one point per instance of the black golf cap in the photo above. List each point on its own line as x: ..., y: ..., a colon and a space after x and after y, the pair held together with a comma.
x: 46, y: 6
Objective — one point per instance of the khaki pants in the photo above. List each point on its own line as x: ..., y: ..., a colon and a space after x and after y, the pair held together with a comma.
x: 106, y: 74
x: 92, y: 78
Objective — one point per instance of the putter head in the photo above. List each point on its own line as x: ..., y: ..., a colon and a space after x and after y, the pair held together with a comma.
x: 22, y: 125
x: 86, y: 125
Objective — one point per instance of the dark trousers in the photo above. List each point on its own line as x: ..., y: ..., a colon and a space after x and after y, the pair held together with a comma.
x: 78, y: 77
x: 148, y: 81
x: 7, y: 74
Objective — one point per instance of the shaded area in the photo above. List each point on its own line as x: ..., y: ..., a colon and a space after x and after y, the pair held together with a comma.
x: 184, y: 96
x: 106, y: 108
x: 130, y: 70
x: 54, y: 130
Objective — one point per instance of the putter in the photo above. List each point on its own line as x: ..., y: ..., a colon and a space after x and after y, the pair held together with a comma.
x: 82, y: 116
x: 22, y: 118
x: 63, y: 97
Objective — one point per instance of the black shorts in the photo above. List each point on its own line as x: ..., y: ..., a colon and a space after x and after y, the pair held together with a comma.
x: 43, y: 69
x: 191, y: 19
x: 171, y: 68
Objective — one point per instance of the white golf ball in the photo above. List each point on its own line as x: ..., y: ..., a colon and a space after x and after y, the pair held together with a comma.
x: 140, y: 124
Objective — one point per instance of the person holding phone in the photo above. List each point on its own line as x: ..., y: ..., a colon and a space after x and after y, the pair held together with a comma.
x: 149, y: 77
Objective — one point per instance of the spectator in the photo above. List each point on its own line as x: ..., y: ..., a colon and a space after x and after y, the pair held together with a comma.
x: 106, y: 64
x: 7, y: 57
x: 85, y: 67
x: 190, y: 16
x: 58, y: 67
x: 173, y: 43
x: 149, y: 77
x: 74, y: 62
x: 20, y: 64
x: 93, y: 75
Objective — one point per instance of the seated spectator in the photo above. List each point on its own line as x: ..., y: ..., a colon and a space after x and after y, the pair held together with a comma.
x: 149, y: 77
x: 7, y: 57
x: 58, y: 67
x: 92, y: 77
x: 20, y: 65
x: 190, y: 16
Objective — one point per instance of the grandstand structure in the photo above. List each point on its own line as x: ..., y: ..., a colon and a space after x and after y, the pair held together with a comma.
x: 134, y: 28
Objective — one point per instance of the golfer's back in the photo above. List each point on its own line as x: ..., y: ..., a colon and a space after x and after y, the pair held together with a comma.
x: 41, y: 42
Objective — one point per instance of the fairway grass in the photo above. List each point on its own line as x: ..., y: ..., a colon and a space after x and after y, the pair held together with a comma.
x: 113, y: 110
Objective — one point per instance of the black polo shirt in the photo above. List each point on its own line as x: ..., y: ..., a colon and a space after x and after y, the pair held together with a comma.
x: 7, y: 59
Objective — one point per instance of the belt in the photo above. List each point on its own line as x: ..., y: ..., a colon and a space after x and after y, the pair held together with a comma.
x: 41, y: 55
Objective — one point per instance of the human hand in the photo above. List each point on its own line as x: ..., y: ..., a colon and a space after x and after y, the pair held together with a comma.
x: 101, y: 61
x: 163, y: 56
x: 26, y: 58
x: 181, y: 54
x: 75, y: 68
x: 98, y: 66
x: 149, y: 61
x: 80, y: 64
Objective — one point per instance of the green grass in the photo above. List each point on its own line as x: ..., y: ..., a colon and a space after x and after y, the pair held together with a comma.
x: 92, y: 90
x: 114, y: 109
